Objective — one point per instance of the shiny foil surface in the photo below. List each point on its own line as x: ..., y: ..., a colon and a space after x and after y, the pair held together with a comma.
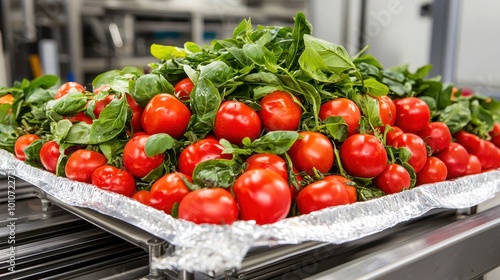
x: 214, y: 249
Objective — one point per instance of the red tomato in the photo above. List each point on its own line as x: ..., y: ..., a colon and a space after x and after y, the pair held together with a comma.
x: 168, y: 190
x: 203, y: 150
x: 312, y: 150
x: 350, y: 186
x: 21, y: 144
x: 363, y: 155
x: 235, y: 121
x: 416, y: 146
x: 262, y: 195
x: 49, y: 155
x: 434, y: 171
x: 392, y: 134
x: 209, y: 206
x: 82, y: 163
x: 395, y: 178
x: 413, y: 114
x: 101, y: 104
x: 136, y: 113
x: 165, y: 114
x: 113, y: 179
x: 67, y: 88
x: 322, y: 194
x: 135, y: 159
x: 469, y: 141
x: 183, y: 89
x: 387, y: 110
x: 437, y: 135
x: 456, y: 158
x: 80, y: 117
x: 488, y: 155
x: 473, y: 166
x: 143, y: 197
x: 345, y: 108
x: 270, y: 162
x: 279, y: 112
x: 495, y: 135
x: 101, y: 88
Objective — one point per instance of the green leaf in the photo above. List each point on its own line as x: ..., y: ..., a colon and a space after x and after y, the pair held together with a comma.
x: 423, y: 71
x: 233, y: 149
x: 166, y: 52
x: 261, y: 56
x: 191, y: 73
x: 111, y: 149
x: 431, y: 102
x: 242, y: 29
x: 375, y: 88
x: 192, y: 47
x: 44, y: 82
x: 217, y: 72
x: 217, y: 173
x: 239, y: 54
x: 444, y: 98
x: 269, y: 79
x: 155, y: 174
x: 111, y: 122
x: 312, y: 96
x: 32, y: 153
x: 336, y: 127
x: 149, y: 85
x: 205, y: 101
x: 61, y: 164
x: 105, y: 78
x: 369, y: 109
x: 40, y: 96
x: 301, y: 27
x: 61, y: 130
x: 120, y: 85
x: 275, y: 142
x: 158, y: 144
x: 70, y: 104
x: 260, y: 92
x: 368, y: 59
x: 456, y: 117
x: 78, y: 133
x: 313, y: 65
x: 481, y: 118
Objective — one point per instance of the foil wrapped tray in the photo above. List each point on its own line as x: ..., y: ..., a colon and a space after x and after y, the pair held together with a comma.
x: 212, y: 249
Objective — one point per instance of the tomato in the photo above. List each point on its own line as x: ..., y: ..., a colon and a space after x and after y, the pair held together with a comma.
x: 437, y: 135
x: 49, y: 155
x: 434, y: 171
x: 495, y: 134
x: 80, y: 117
x: 209, y: 206
x: 67, y: 88
x: 82, y: 163
x: 270, y: 162
x: 345, y: 108
x: 183, y: 89
x: 469, y: 141
x: 387, y: 110
x: 203, y: 150
x: 135, y: 159
x: 235, y: 121
x: 395, y: 178
x: 113, y: 179
x: 100, y: 88
x: 363, y: 155
x: 488, y: 156
x: 456, y: 158
x: 168, y: 190
x: 473, y: 166
x: 262, y: 195
x: 165, y: 114
x: 279, y: 112
x: 322, y: 194
x: 312, y: 150
x: 413, y: 114
x: 485, y: 151
x: 101, y: 104
x: 136, y: 113
x: 392, y: 134
x: 143, y: 197
x: 350, y: 186
x: 7, y: 99
x: 21, y: 144
x: 416, y: 146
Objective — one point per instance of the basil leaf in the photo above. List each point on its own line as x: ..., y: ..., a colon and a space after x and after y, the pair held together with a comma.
x: 336, y: 127
x: 78, y: 133
x: 158, y: 144
x: 61, y: 164
x: 266, y: 78
x: 111, y: 121
x: 105, y: 78
x: 111, y: 149
x: 422, y: 71
x: 481, y: 117
x: 32, y: 153
x: 375, y: 88
x: 368, y: 59
x: 242, y: 29
x: 313, y: 65
x: 205, y: 101
x: 261, y: 56
x: 312, y: 96
x: 154, y: 174
x: 44, y: 82
x: 275, y: 142
x: 239, y: 54
x: 456, y: 117
x: 218, y: 173
x: 61, y: 130
x: 166, y: 52
x: 192, y: 47
x: 149, y: 85
x: 217, y: 72
x: 301, y: 27
x: 70, y: 104
x: 260, y: 92
x: 40, y: 96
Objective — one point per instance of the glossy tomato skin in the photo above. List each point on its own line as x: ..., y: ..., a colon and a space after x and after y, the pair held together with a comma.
x: 392, y: 134
x: 203, y: 150
x: 312, y: 150
x: 436, y: 135
x: 350, y: 186
x: 387, y: 110
x: 82, y: 163
x: 345, y: 108
x: 136, y: 113
x: 143, y: 197
x: 209, y: 206
x: 495, y: 135
x: 183, y: 89
x: 416, y: 146
x: 434, y: 171
x: 101, y: 104
x: 485, y: 151
x: 135, y: 159
x: 67, y: 88
x: 395, y: 178
x: 488, y: 155
x: 80, y: 117
x: 322, y: 194
x: 235, y: 120
x: 279, y: 112
x: 110, y: 178
x: 413, y: 114
x: 21, y: 144
x: 456, y: 158
x: 270, y: 162
x: 49, y: 155
x: 168, y: 190
x: 473, y: 166
x: 363, y: 155
x: 165, y: 114
x: 262, y: 195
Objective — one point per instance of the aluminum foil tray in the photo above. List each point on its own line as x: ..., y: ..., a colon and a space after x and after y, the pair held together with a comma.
x: 213, y: 249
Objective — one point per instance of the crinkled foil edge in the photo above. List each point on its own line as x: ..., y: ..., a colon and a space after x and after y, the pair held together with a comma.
x: 213, y: 249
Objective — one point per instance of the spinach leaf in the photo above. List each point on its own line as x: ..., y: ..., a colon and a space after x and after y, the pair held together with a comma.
x: 456, y: 117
